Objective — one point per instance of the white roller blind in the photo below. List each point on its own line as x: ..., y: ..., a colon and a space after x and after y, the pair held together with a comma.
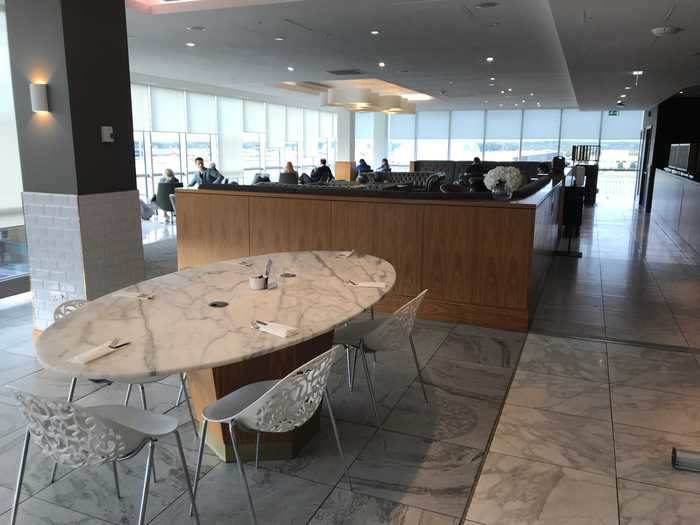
x: 201, y: 113
x: 433, y: 124
x: 326, y: 125
x: 168, y: 110
x: 230, y: 134
x: 467, y: 125
x: 580, y: 125
x: 625, y: 126
x: 364, y: 125
x: 253, y: 117
x: 140, y: 108
x: 276, y: 126
x: 541, y: 124
x: 311, y: 132
x: 402, y: 127
x: 295, y: 124
x: 503, y: 125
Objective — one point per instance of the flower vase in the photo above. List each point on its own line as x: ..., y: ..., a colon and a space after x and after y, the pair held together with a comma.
x: 501, y: 191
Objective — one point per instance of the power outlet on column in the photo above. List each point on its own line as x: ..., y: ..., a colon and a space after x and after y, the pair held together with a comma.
x: 107, y: 133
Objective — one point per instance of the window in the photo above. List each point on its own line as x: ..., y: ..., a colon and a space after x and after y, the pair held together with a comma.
x: 620, y: 139
x: 402, y: 134
x: 503, y: 135
x: 433, y: 135
x: 466, y: 135
x: 540, y: 134
x: 165, y: 153
x: 578, y: 127
x: 364, y: 136
x: 198, y: 145
x: 167, y: 110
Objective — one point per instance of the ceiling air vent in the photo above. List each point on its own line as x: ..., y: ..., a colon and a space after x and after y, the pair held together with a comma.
x: 346, y: 72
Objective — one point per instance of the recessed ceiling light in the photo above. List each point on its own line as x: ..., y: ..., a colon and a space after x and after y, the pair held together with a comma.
x: 623, y: 96
x: 190, y: 44
x: 523, y: 101
x: 486, y: 101
x: 489, y: 59
x: 619, y: 101
x: 503, y: 92
x: 681, y: 92
x: 486, y: 5
x: 196, y: 28
x: 279, y: 38
x: 451, y: 83
x: 374, y: 32
x: 500, y: 105
x: 381, y: 64
x: 492, y: 78
x: 290, y: 68
x: 532, y: 94
x: 638, y: 72
x: 492, y: 84
x: 510, y: 89
x: 538, y: 104
x: 516, y: 104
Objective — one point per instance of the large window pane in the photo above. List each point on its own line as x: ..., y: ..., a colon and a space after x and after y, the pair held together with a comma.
x: 167, y: 109
x: 540, y: 134
x: 311, y: 131
x: 165, y: 153
x: 231, y: 137
x: 467, y: 135
x: 402, y: 134
x: 619, y: 141
x: 364, y: 137
x: 252, y: 159
x: 140, y: 107
x: 432, y: 135
x: 276, y: 126
x: 503, y: 135
x: 201, y: 113
x: 295, y: 125
x: 253, y: 117
x: 578, y: 127
x: 198, y: 145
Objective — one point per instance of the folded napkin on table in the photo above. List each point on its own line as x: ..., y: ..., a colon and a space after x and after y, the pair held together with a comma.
x: 134, y: 295
x: 97, y: 352
x: 278, y: 329
x: 367, y: 284
x: 346, y: 254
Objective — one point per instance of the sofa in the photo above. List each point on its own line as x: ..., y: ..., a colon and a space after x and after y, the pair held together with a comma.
x: 454, y: 168
x: 419, y: 179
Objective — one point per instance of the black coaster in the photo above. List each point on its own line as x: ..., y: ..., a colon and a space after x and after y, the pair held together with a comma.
x: 218, y: 304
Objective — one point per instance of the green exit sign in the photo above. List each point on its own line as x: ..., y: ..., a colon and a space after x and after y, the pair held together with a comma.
x: 614, y: 113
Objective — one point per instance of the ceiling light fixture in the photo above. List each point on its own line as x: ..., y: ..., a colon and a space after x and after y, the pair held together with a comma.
x: 489, y: 59
x: 196, y: 28
x: 532, y: 94
x: 279, y: 38
x: 539, y: 105
x: 665, y: 31
x: 523, y: 101
x: 381, y: 64
x: 628, y: 88
x: 503, y: 92
x: 492, y: 84
x: 623, y: 96
x: 681, y: 92
x: 619, y: 102
x: 190, y: 44
x: 374, y: 32
x: 510, y: 89
x: 290, y: 68
x: 500, y: 105
x: 516, y: 104
x: 492, y: 78
x: 638, y: 73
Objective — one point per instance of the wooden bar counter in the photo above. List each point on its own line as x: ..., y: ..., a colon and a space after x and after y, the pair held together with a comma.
x: 484, y: 262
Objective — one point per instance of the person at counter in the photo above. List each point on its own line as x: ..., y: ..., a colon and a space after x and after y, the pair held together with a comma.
x: 476, y: 169
x: 203, y: 175
x: 384, y: 168
x: 321, y: 174
x: 362, y: 168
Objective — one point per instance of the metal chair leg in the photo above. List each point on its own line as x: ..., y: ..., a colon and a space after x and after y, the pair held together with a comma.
x: 347, y: 359
x: 116, y: 479
x: 200, y: 454
x: 183, y: 463
x: 128, y: 394
x: 241, y: 469
x: 142, y: 391
x: 20, y: 478
x: 371, y: 391
x: 146, y: 480
x: 183, y: 386
x: 354, y: 370
x: 337, y: 437
x: 179, y: 392
x: 257, y: 450
x: 420, y: 376
x: 71, y: 393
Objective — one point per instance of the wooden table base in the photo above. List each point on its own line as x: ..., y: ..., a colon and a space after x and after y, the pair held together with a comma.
x: 207, y: 385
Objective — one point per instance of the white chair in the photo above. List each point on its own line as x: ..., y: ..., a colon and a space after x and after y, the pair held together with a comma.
x: 273, y: 406
x: 83, y: 436
x: 381, y: 335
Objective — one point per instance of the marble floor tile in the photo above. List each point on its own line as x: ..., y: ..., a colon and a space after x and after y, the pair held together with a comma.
x: 635, y: 305
x: 645, y: 455
x: 656, y: 410
x: 350, y: 508
x: 654, y: 369
x: 430, y: 475
x: 566, y: 395
x: 482, y: 346
x: 50, y: 384
x: 584, y: 322
x: 690, y: 328
x: 11, y: 419
x: 465, y: 379
x: 159, y: 397
x: 39, y: 512
x: 448, y: 417
x: 567, y: 299
x: 221, y: 499
x: 568, y: 441
x: 564, y: 357
x: 6, y: 496
x: 642, y: 504
x: 518, y: 491
x: 13, y: 367
x: 662, y: 330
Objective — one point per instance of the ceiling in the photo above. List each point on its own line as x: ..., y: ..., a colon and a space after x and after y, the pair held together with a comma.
x: 554, y: 49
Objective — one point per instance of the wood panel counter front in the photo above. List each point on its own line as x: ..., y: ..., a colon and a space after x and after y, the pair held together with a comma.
x: 483, y: 262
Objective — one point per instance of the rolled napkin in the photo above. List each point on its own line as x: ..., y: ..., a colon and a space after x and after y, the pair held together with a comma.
x: 278, y: 329
x: 367, y: 284
x: 98, y: 352
x: 134, y: 295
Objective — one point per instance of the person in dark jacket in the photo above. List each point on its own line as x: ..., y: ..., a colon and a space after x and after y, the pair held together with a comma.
x: 363, y: 167
x: 322, y: 173
x: 384, y: 168
x: 204, y: 175
x: 476, y: 169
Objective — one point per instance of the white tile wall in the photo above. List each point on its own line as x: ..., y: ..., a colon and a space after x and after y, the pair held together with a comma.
x: 81, y: 247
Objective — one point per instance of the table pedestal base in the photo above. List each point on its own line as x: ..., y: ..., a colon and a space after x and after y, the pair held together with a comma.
x: 207, y: 385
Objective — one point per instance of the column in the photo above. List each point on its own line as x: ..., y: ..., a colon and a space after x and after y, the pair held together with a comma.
x: 81, y: 206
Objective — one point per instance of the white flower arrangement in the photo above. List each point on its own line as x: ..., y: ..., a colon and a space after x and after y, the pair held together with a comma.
x: 510, y: 175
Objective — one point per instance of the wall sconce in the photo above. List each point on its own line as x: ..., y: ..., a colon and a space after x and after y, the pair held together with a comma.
x: 39, y: 95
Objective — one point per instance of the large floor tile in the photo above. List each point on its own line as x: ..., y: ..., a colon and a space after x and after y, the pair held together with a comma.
x: 523, y: 492
x: 690, y: 328
x: 644, y: 455
x: 565, y: 357
x: 13, y: 366
x: 159, y: 397
x: 6, y: 497
x: 568, y: 441
x: 465, y: 379
x: 642, y: 504
x: 656, y: 410
x: 565, y: 395
x: 580, y: 321
x: 39, y: 512
x: 430, y: 475
x: 447, y: 417
x: 51, y: 384
x: 11, y: 419
x: 350, y: 508
x: 662, y: 330
x: 482, y: 346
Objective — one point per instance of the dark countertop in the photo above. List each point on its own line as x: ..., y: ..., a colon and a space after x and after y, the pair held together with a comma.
x: 682, y: 176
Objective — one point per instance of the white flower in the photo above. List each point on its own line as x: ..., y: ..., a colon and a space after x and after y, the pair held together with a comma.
x: 510, y: 175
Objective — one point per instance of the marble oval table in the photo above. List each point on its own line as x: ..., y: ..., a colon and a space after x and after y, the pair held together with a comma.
x: 178, y: 331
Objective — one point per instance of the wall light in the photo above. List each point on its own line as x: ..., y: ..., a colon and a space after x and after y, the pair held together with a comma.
x: 39, y: 95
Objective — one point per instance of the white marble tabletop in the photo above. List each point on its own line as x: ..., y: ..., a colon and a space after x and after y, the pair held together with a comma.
x: 177, y: 330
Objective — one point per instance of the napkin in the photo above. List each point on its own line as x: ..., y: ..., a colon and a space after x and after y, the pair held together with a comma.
x: 346, y: 254
x: 368, y: 284
x: 278, y: 329
x: 134, y: 295
x: 96, y: 353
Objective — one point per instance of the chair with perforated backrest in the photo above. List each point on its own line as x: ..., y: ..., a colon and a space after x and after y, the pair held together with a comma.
x: 86, y: 436
x: 272, y: 407
x: 382, y: 335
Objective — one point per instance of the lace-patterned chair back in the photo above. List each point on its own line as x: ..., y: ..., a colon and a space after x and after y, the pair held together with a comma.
x: 67, y: 308
x: 71, y: 435
x: 294, y: 399
x: 392, y: 334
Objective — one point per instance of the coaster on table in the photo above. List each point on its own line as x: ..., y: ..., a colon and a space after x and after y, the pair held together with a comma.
x: 99, y: 351
x: 367, y: 284
x: 278, y: 329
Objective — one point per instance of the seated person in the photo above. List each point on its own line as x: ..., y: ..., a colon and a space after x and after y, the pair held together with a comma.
x: 384, y: 168
x: 214, y: 174
x: 203, y: 175
x: 476, y: 169
x: 169, y: 176
x: 261, y: 178
x: 289, y: 168
x: 543, y: 169
x: 321, y: 174
x: 363, y: 167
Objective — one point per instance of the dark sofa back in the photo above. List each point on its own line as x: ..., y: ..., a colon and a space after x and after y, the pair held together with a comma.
x: 453, y: 169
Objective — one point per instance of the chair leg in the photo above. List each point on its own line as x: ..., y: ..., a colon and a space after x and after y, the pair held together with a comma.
x: 71, y: 393
x: 128, y: 394
x: 241, y: 469
x: 146, y: 480
x: 187, y: 476
x: 337, y: 437
x: 200, y: 454
x: 370, y: 387
x: 347, y: 359
x: 116, y: 479
x: 354, y: 370
x: 20, y: 478
x: 183, y: 386
x: 179, y: 392
x: 142, y: 391
x: 420, y: 376
x: 257, y: 450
